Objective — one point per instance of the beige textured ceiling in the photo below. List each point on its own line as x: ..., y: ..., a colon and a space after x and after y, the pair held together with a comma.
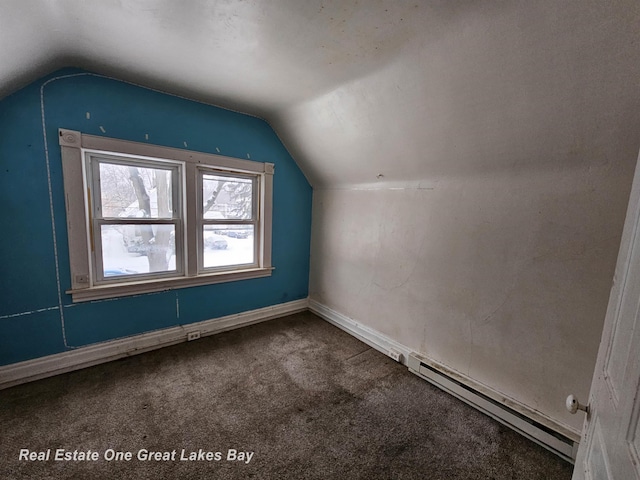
x: 413, y: 91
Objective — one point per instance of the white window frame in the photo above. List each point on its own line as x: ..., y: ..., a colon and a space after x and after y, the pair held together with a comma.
x: 86, y: 284
x: 91, y: 168
x: 202, y: 222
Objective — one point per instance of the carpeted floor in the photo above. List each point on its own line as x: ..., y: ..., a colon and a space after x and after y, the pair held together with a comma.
x: 295, y: 398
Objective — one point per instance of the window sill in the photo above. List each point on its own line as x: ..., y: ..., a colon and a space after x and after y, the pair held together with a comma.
x: 137, y: 288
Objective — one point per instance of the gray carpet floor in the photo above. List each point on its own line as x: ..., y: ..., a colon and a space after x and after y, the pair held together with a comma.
x: 295, y: 398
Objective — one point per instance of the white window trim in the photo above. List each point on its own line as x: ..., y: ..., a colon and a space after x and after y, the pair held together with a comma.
x: 201, y: 221
x: 97, y: 157
x: 83, y: 287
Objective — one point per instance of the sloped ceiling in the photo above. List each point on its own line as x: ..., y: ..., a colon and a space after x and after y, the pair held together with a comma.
x: 366, y: 91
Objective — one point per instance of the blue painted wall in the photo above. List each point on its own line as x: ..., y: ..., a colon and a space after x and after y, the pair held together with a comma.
x: 36, y: 317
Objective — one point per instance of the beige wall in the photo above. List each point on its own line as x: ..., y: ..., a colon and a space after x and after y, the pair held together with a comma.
x: 504, y: 278
x: 470, y: 192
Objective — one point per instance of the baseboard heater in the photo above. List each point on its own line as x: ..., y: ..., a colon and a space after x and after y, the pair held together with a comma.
x: 560, y: 444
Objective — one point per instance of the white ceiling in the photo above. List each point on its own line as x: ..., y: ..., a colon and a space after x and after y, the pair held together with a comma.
x: 413, y: 91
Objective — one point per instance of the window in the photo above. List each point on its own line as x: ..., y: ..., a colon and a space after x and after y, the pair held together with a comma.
x: 143, y: 218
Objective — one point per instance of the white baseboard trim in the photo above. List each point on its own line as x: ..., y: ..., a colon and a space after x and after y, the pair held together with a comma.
x: 491, y: 402
x: 470, y: 391
x: 17, y: 373
x: 537, y: 427
x: 371, y: 337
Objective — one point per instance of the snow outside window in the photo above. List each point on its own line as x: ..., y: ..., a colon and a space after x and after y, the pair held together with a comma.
x: 144, y: 218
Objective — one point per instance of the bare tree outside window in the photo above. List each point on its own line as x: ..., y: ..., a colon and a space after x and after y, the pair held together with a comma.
x: 135, y: 192
x: 131, y: 191
x: 145, y: 218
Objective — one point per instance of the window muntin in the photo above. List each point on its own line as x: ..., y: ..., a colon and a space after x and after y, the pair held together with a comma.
x: 102, y: 212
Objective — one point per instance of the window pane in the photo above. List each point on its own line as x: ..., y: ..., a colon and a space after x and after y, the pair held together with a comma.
x: 135, y: 192
x: 137, y: 249
x: 226, y: 197
x: 226, y: 245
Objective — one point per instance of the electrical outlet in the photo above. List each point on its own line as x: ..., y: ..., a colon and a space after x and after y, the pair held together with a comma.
x: 193, y: 335
x: 395, y: 355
